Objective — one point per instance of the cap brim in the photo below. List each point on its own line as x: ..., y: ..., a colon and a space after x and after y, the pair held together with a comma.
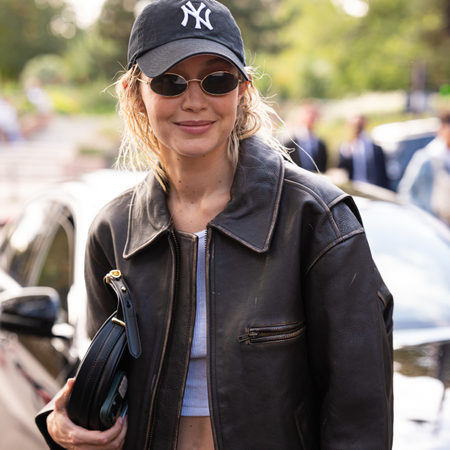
x: 159, y: 60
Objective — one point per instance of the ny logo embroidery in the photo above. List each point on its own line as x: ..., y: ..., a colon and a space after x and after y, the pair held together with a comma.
x: 196, y: 13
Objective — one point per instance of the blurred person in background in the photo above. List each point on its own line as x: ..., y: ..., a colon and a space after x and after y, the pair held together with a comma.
x: 38, y: 97
x: 426, y: 181
x: 9, y: 122
x: 360, y: 157
x: 309, y: 151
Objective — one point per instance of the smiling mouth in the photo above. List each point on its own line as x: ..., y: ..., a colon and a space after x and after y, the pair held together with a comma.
x: 195, y: 126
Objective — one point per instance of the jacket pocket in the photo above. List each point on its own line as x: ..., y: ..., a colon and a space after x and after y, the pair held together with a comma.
x: 272, y: 333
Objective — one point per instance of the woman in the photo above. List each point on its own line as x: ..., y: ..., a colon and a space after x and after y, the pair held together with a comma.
x: 264, y: 322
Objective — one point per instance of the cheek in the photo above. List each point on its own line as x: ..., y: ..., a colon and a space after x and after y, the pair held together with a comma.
x: 228, y: 107
x: 156, y: 112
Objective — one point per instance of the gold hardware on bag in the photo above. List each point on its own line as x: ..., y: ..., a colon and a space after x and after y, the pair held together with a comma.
x: 114, y: 273
x: 119, y: 322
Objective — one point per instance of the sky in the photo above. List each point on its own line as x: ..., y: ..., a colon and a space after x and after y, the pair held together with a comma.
x: 87, y: 10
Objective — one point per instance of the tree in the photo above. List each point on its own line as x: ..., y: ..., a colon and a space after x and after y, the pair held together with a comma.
x: 332, y: 53
x: 27, y: 30
x: 260, y: 22
x: 114, y: 26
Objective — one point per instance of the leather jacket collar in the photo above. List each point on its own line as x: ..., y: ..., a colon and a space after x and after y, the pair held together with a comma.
x: 249, y: 216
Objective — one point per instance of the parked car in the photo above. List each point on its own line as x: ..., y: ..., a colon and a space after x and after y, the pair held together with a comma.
x: 43, y: 304
x: 400, y: 140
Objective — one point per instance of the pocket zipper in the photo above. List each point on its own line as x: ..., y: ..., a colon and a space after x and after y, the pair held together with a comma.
x: 272, y: 333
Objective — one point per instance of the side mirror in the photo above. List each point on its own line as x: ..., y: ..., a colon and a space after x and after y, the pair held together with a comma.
x: 32, y: 311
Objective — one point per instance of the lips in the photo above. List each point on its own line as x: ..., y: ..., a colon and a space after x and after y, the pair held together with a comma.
x: 195, y: 126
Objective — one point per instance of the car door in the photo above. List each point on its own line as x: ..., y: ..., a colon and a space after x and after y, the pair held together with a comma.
x: 37, y: 250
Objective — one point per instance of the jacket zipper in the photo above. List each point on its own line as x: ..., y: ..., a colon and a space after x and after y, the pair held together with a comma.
x: 208, y: 300
x: 177, y: 253
x: 272, y: 333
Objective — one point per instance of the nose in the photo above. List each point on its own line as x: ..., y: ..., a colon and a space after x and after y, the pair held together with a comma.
x: 194, y: 98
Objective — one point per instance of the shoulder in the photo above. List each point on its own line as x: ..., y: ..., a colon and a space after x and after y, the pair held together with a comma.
x: 314, y: 184
x: 314, y: 192
x: 377, y: 148
x: 110, y: 225
x: 421, y: 161
x: 116, y: 211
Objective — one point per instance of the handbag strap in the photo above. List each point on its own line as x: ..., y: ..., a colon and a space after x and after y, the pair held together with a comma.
x: 115, y: 280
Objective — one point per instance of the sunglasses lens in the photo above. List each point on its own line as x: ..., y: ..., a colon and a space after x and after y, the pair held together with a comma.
x: 168, y: 85
x: 219, y: 83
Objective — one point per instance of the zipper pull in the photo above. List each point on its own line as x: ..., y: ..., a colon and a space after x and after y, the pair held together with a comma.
x: 247, y: 337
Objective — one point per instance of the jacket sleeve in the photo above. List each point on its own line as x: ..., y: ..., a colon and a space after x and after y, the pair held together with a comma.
x: 99, y: 261
x: 349, y: 320
x: 41, y: 423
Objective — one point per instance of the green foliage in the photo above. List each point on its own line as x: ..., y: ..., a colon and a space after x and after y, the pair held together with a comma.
x: 114, y: 26
x: 88, y: 99
x: 332, y: 53
x: 260, y: 21
x: 65, y: 100
x: 27, y: 30
x: 307, y: 48
x: 91, y: 56
x: 47, y: 69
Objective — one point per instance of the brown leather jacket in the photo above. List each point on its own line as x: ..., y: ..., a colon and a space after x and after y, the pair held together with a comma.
x: 299, y: 320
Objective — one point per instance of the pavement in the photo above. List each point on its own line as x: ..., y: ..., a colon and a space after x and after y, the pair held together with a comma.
x: 49, y: 155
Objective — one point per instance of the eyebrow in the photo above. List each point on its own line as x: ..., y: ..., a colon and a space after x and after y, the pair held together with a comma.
x: 213, y: 61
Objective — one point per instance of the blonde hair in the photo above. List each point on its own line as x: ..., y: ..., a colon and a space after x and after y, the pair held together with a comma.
x: 140, y: 148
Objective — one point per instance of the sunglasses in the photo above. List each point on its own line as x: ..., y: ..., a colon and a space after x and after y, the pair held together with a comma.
x: 172, y: 85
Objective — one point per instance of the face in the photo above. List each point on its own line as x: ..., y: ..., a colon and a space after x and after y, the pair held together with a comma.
x: 356, y: 125
x: 194, y: 124
x: 309, y: 116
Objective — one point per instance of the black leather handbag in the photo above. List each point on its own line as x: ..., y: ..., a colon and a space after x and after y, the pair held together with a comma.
x: 99, y: 393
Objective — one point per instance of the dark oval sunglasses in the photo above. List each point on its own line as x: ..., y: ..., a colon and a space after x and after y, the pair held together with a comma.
x: 173, y: 85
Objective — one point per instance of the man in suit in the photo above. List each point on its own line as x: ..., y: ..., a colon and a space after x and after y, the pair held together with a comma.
x: 308, y: 150
x: 363, y: 160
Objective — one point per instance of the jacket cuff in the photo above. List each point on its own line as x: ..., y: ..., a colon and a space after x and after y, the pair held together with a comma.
x: 41, y: 422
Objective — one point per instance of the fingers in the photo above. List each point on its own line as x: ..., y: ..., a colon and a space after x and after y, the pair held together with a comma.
x: 63, y: 397
x: 70, y: 436
x: 73, y: 437
x: 118, y: 442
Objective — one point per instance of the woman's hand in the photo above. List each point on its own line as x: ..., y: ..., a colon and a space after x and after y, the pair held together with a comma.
x: 72, y: 437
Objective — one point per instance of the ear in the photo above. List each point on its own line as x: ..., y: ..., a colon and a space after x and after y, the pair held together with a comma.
x: 141, y: 106
x: 243, y: 86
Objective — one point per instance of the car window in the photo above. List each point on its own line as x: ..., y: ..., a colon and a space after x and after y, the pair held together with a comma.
x: 57, y: 265
x: 38, y: 250
x: 414, y: 260
x: 21, y: 246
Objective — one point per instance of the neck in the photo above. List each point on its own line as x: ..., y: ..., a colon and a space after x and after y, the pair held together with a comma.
x: 193, y: 178
x: 199, y: 189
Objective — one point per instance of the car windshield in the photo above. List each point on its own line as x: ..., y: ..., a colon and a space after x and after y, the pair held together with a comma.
x: 414, y: 261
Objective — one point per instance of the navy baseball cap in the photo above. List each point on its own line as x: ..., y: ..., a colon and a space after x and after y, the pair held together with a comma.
x: 168, y: 31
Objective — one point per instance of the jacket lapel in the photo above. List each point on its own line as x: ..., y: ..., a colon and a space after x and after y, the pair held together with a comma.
x: 249, y: 217
x: 148, y: 216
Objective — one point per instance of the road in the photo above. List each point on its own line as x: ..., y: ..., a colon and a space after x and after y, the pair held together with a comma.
x: 49, y: 155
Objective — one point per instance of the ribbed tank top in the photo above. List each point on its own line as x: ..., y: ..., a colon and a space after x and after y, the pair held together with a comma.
x: 195, y: 400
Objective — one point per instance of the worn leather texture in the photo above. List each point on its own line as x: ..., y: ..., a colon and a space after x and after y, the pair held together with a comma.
x: 288, y: 248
